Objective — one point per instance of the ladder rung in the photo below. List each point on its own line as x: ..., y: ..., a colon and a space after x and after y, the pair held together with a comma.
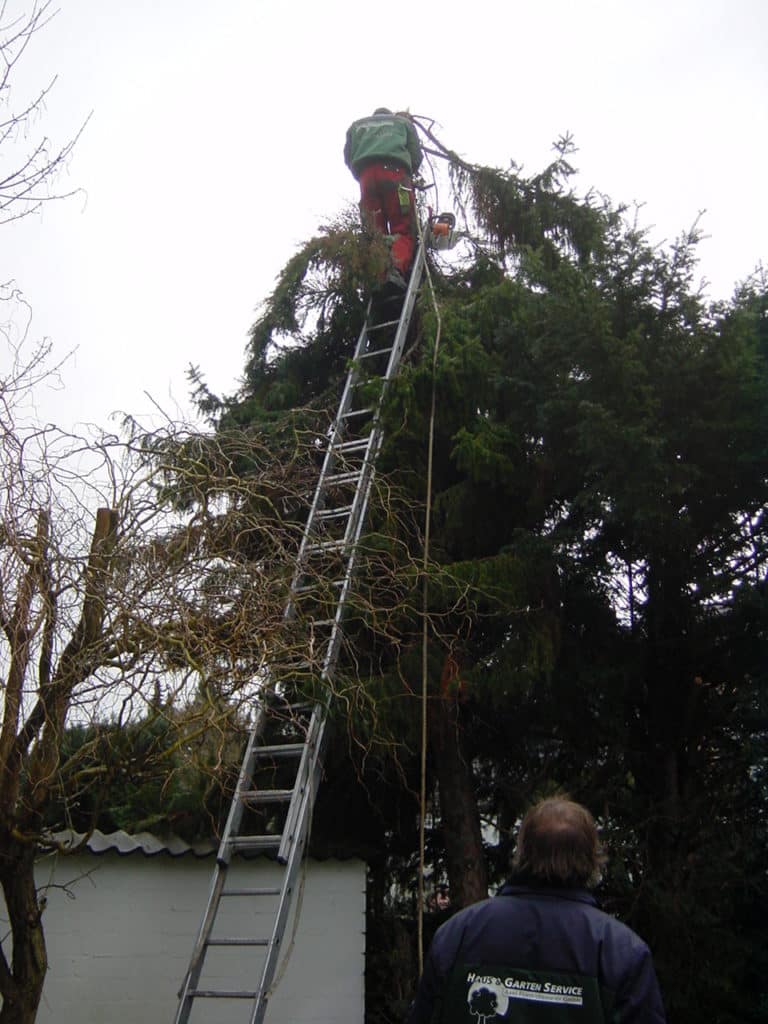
x: 384, y: 323
x: 210, y: 993
x: 287, y: 669
x: 237, y: 942
x: 254, y: 842
x: 325, y: 545
x: 356, y: 412
x: 327, y: 524
x: 351, y: 446
x: 333, y: 513
x: 313, y: 587
x: 250, y: 892
x: 343, y: 478
x: 375, y: 352
x: 284, y: 709
x: 279, y: 750
x: 266, y: 796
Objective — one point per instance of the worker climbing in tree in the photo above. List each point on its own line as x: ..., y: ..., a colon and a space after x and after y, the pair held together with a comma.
x: 383, y: 153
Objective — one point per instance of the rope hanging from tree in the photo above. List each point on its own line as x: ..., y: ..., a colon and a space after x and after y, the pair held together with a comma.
x: 424, y: 608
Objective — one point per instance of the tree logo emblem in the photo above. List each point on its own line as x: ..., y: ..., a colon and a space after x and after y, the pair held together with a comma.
x: 487, y: 1000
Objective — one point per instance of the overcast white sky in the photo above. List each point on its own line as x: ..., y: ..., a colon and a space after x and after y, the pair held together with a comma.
x: 215, y: 143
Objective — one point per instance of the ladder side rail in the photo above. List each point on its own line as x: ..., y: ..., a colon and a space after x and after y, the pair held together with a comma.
x: 296, y: 828
x: 334, y: 644
x: 354, y: 371
x: 236, y: 807
x: 376, y: 439
x: 352, y: 375
x: 355, y: 527
x: 303, y: 778
x: 376, y: 436
x: 234, y: 816
x: 332, y: 651
x: 358, y: 511
x: 363, y: 491
x: 360, y: 500
x: 303, y: 800
x: 327, y: 467
x: 336, y: 427
x: 308, y: 534
x: 407, y: 312
x: 197, y: 960
x: 292, y: 870
x: 353, y: 533
x: 358, y: 526
x: 346, y: 400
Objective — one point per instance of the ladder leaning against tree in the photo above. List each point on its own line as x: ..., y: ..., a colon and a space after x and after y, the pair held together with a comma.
x: 291, y: 759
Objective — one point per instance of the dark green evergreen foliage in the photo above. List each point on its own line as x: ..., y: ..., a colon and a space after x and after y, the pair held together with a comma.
x: 598, y: 561
x: 150, y: 775
x: 539, y: 213
x: 308, y: 325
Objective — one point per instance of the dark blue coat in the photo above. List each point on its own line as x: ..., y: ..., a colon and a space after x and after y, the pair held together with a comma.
x: 537, y: 956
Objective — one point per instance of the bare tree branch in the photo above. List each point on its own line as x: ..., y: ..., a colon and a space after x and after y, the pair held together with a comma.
x: 29, y: 162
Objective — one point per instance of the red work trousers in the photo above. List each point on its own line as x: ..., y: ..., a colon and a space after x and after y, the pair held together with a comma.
x: 387, y: 205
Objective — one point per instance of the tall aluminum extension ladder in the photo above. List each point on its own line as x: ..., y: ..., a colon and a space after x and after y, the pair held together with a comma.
x: 329, y: 545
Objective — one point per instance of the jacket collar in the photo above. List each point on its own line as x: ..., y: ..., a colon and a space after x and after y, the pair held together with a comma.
x: 549, y: 892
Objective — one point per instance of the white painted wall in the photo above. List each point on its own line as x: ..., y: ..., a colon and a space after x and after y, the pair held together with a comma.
x: 120, y: 931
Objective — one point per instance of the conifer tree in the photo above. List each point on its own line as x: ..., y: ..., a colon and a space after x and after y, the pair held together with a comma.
x: 597, y: 575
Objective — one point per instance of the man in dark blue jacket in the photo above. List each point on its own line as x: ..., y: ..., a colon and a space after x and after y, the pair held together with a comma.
x: 541, y: 952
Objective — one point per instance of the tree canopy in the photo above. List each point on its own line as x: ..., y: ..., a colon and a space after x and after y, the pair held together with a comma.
x: 597, y: 582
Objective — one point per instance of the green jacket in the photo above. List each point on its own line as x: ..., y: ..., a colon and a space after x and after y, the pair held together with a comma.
x: 382, y: 137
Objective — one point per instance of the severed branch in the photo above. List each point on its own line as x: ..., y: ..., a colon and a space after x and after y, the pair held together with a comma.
x: 19, y: 634
x: 78, y: 659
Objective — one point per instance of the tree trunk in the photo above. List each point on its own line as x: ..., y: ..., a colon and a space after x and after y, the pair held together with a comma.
x: 21, y: 986
x: 465, y: 856
x: 670, y: 672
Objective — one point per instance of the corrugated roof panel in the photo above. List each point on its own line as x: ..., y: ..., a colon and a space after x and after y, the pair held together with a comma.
x: 124, y: 843
x: 151, y: 845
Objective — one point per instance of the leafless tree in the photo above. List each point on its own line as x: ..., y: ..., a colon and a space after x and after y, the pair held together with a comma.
x: 113, y: 585
x: 30, y: 162
x: 142, y: 576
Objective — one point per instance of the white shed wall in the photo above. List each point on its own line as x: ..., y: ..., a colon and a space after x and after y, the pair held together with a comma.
x: 121, y: 933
